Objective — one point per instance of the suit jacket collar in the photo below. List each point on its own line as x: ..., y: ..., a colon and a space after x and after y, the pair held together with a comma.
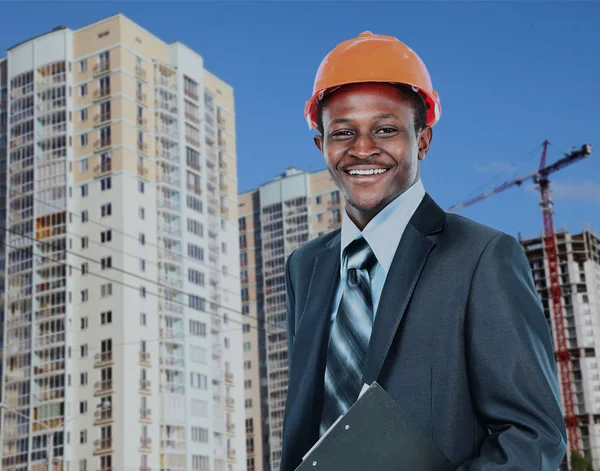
x: 305, y: 391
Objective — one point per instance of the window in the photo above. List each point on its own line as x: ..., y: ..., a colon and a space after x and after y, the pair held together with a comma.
x: 82, y: 65
x: 247, y: 346
x: 195, y: 252
x: 106, y: 236
x: 106, y: 290
x: 106, y: 209
x: 106, y: 262
x: 194, y: 203
x: 198, y: 381
x: 84, y: 140
x: 142, y: 213
x: 83, y: 114
x: 84, y: 216
x: 196, y: 277
x: 105, y: 184
x: 198, y: 354
x: 82, y: 407
x: 196, y: 302
x: 106, y: 317
x: 142, y: 291
x: 320, y: 217
x: 248, y: 403
x: 197, y: 328
x: 84, y: 268
x: 319, y: 199
x: 84, y: 296
x: 83, y: 379
x: 83, y: 165
x: 195, y: 227
x: 142, y: 318
x: 83, y: 90
x: 85, y: 242
x: 84, y: 350
x: 226, y: 342
x: 84, y: 190
x: 141, y: 186
x: 82, y: 436
x: 199, y: 435
x: 223, y: 247
x: 142, y: 265
x: 242, y: 224
x: 142, y: 239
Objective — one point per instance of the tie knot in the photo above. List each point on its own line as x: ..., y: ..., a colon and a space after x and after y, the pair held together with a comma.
x: 359, y: 255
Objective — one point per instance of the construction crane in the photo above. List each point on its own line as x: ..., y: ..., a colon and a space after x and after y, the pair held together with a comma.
x: 540, y: 177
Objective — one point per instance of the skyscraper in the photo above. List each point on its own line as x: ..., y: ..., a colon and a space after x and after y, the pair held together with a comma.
x: 275, y: 219
x: 122, y: 311
x: 579, y: 271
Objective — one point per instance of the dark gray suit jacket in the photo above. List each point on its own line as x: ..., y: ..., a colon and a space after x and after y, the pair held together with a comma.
x: 460, y: 341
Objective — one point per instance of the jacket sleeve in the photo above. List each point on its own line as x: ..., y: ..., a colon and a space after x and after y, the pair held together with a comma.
x: 290, y: 302
x: 511, y: 366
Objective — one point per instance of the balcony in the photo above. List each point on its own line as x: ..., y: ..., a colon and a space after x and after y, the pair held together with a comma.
x: 224, y: 188
x: 171, y: 205
x: 102, y: 169
x: 143, y: 122
x: 140, y: 72
x: 192, y: 141
x: 229, y: 378
x: 145, y: 357
x: 145, y: 414
x: 103, y: 387
x: 170, y: 307
x: 103, y: 358
x: 141, y: 97
x: 145, y: 385
x: 194, y: 189
x: 104, y: 445
x: 230, y: 403
x: 192, y: 118
x: 142, y: 147
x: 102, y: 416
x: 230, y: 453
x: 145, y: 442
x: 102, y: 118
x: 172, y: 361
x: 175, y: 334
x: 142, y: 171
x: 52, y: 130
x: 101, y: 92
x: 230, y: 428
x: 223, y: 165
x: 101, y: 67
x: 102, y: 143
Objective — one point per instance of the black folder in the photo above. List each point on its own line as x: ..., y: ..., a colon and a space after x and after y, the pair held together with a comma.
x: 375, y: 434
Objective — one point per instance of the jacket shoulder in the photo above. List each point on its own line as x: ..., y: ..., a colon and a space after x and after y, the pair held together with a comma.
x: 309, y: 250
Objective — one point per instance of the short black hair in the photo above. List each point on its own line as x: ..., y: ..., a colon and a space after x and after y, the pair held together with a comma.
x: 416, y: 102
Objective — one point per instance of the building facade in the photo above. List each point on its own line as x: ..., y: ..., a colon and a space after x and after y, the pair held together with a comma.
x: 274, y: 220
x: 122, y: 327
x: 579, y: 268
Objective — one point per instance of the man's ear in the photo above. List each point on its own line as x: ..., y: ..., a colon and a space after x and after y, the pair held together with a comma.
x: 424, y: 142
x: 319, y: 142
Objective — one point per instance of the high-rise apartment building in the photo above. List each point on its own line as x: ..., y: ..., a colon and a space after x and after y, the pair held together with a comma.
x: 122, y: 327
x: 274, y: 220
x: 579, y: 269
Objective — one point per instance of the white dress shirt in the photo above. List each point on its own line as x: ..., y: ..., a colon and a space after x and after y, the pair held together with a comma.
x: 383, y: 234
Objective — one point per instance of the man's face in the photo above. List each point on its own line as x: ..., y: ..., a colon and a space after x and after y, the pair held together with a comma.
x: 370, y: 146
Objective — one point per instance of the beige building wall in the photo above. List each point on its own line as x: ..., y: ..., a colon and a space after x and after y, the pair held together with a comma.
x: 132, y: 171
x: 311, y: 202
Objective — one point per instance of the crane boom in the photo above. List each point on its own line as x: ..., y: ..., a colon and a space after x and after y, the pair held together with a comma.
x: 563, y: 353
x: 569, y: 159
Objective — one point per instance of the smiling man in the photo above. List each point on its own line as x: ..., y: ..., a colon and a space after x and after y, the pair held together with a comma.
x: 441, y: 311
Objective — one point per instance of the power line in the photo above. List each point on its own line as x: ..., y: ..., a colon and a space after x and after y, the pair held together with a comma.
x: 118, y: 231
x: 137, y: 288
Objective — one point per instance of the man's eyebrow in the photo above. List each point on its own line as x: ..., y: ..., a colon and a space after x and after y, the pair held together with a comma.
x: 378, y: 116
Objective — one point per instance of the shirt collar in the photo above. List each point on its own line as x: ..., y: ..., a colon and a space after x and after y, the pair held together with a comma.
x: 384, y: 231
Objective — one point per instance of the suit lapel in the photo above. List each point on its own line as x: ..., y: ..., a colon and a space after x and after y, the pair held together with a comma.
x: 310, y: 353
x: 409, y: 260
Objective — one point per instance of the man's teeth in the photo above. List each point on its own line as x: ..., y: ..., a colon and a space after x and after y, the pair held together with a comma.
x: 373, y: 171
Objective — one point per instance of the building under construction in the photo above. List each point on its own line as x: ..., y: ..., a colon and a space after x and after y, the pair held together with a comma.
x: 579, y: 271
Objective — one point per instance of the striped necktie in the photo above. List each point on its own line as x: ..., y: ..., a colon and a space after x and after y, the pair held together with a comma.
x: 350, y: 334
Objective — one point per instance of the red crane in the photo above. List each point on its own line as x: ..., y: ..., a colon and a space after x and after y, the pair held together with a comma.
x: 540, y: 177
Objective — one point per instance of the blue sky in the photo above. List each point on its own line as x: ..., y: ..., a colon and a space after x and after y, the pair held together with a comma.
x: 509, y: 76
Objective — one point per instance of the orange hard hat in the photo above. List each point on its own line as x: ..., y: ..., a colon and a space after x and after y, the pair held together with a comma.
x: 373, y: 58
